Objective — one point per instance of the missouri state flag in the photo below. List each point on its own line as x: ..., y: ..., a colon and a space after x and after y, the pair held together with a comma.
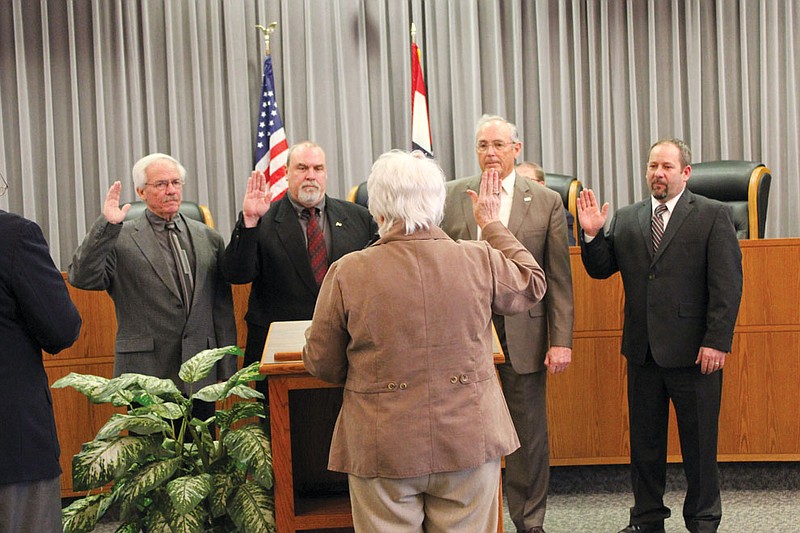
x: 420, y: 122
x: 271, y: 145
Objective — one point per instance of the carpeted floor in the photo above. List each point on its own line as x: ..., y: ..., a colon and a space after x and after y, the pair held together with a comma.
x: 756, y: 498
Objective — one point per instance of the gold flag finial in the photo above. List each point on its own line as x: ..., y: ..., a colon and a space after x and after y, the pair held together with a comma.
x: 267, y: 32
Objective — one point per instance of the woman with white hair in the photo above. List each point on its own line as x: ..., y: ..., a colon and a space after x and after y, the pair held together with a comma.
x: 406, y: 326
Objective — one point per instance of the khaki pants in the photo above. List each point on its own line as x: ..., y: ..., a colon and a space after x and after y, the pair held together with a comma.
x: 465, y: 501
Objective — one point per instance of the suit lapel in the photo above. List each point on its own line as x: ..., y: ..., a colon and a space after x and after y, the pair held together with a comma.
x: 676, y: 219
x: 145, y: 239
x: 338, y: 222
x: 645, y: 213
x: 466, y: 206
x: 291, y: 236
x: 520, y: 204
x: 202, y: 256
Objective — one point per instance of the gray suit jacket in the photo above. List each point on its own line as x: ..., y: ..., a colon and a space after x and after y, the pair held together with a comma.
x: 687, y: 294
x: 537, y: 221
x: 154, y: 335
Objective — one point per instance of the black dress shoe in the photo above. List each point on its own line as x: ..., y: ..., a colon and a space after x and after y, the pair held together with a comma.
x: 534, y: 529
x: 644, y: 528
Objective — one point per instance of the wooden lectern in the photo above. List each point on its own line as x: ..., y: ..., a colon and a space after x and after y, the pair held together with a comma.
x: 303, y: 411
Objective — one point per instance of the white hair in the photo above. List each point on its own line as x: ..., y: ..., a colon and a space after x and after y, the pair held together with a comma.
x: 408, y: 188
x: 486, y: 119
x: 139, y: 171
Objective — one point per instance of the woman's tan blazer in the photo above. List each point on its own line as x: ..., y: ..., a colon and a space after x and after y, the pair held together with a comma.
x: 405, y: 325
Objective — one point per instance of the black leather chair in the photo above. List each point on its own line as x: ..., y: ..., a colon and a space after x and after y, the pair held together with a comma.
x: 569, y: 188
x: 744, y: 185
x: 358, y: 194
x: 188, y: 209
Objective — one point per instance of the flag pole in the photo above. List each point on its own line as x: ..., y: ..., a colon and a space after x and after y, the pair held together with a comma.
x: 267, y: 32
x: 413, y: 33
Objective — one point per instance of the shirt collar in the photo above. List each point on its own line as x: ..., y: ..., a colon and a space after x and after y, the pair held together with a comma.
x: 159, y: 224
x: 508, y: 183
x: 670, y: 203
x: 299, y: 208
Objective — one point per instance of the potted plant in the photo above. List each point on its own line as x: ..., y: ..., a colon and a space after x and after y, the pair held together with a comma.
x: 162, y: 480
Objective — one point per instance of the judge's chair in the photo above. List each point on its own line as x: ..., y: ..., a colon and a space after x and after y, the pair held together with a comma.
x: 569, y: 188
x: 358, y: 194
x: 188, y: 209
x: 744, y: 185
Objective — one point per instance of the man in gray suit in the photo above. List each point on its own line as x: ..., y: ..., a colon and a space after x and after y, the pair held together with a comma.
x: 162, y: 320
x: 681, y: 267
x: 536, y: 341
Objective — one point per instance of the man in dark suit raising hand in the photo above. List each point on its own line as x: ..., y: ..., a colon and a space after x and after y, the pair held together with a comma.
x: 681, y: 268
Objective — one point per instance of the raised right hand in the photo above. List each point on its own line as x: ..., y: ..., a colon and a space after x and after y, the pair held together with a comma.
x: 111, y: 209
x: 591, y: 217
x: 256, y: 199
x: 486, y: 203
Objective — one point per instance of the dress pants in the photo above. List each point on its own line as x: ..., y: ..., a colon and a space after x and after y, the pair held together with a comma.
x: 696, y: 398
x: 31, y: 506
x: 466, y: 501
x: 254, y: 349
x: 527, y: 473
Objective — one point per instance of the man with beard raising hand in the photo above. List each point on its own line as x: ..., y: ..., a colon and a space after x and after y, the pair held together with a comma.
x: 277, y: 247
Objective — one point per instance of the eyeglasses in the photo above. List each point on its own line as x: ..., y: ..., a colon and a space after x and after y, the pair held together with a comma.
x: 162, y: 185
x: 498, y: 146
x: 3, y: 184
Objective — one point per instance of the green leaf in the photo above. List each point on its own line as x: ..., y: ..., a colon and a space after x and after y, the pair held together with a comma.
x: 223, y: 484
x: 252, y: 509
x: 188, y: 491
x: 129, y: 527
x: 154, y: 386
x: 88, y: 385
x: 201, y: 365
x: 143, y: 425
x: 250, y: 445
x: 101, y: 461
x: 227, y: 417
x: 168, y: 410
x: 82, y: 515
x: 192, y: 522
x: 151, y: 476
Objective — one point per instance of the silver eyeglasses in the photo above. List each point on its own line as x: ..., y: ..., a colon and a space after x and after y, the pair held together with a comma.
x: 498, y: 146
x: 162, y: 185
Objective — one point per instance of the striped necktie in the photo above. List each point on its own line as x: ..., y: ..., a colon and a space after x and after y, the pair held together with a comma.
x: 657, y: 226
x: 316, y: 244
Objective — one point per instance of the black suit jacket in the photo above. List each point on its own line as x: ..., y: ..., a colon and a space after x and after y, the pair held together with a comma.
x: 687, y: 294
x: 273, y: 256
x: 36, y: 314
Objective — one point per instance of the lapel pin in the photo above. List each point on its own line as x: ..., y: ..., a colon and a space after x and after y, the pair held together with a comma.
x: 338, y: 224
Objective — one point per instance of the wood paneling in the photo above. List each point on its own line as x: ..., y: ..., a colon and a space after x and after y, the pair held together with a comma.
x: 587, y: 405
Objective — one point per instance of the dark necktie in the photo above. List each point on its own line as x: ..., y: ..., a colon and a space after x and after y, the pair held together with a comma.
x: 316, y: 244
x: 184, y: 270
x: 657, y: 226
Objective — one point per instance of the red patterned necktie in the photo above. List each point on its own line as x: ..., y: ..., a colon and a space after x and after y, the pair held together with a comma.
x: 657, y: 225
x: 316, y: 244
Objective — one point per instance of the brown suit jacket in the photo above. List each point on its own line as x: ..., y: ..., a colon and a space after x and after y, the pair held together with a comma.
x: 406, y: 326
x: 537, y: 221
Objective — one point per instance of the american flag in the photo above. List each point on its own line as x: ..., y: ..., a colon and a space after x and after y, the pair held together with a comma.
x: 420, y: 122
x: 271, y: 145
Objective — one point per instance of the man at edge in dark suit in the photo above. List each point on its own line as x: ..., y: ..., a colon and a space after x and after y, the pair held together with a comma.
x: 36, y: 313
x: 269, y: 245
x: 682, y: 272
